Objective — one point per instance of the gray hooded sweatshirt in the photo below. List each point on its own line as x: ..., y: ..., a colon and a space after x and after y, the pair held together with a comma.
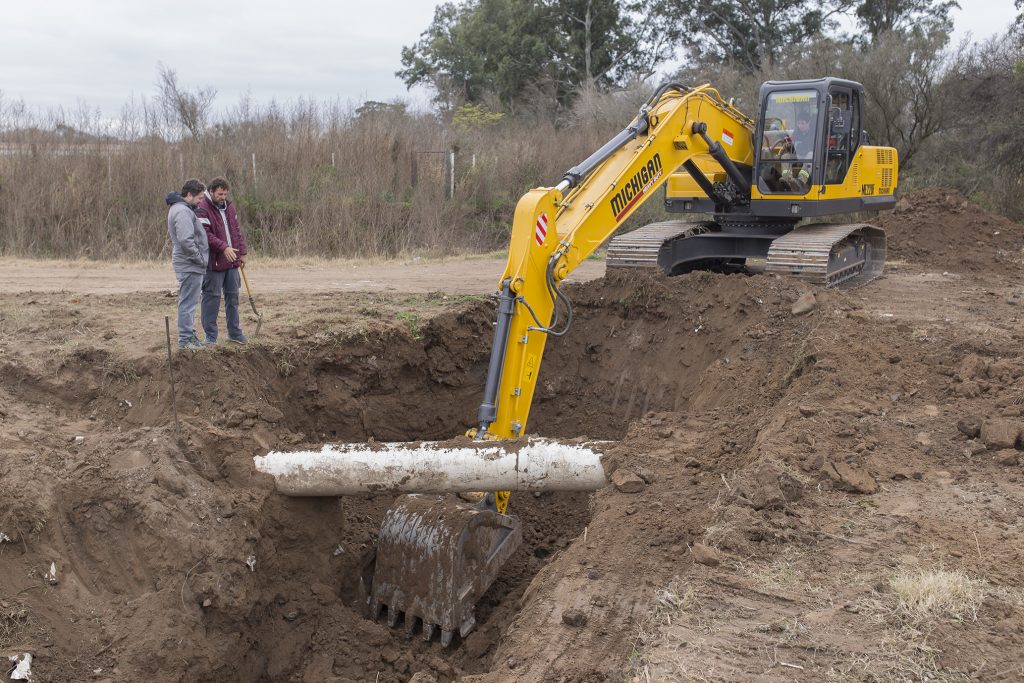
x: 191, y: 253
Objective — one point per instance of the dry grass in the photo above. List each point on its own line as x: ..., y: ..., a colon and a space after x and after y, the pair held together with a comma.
x: 670, y: 603
x: 937, y: 593
x: 328, y: 182
x: 14, y: 618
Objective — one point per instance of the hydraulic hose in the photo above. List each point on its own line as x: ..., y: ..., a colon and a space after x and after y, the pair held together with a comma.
x: 575, y: 175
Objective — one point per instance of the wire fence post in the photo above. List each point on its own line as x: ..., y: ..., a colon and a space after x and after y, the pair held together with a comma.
x: 451, y: 174
x: 254, y: 170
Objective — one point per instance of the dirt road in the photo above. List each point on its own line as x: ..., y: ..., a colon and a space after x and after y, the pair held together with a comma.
x: 469, y: 275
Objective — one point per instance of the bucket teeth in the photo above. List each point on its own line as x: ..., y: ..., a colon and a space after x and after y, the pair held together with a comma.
x: 375, y: 609
x: 436, y: 557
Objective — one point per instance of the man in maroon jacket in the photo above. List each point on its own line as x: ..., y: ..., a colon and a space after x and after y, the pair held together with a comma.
x: 227, y: 254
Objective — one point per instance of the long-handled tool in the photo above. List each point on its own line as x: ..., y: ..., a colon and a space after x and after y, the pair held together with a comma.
x: 252, y: 302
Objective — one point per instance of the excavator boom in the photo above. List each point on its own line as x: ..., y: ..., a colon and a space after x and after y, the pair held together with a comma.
x: 555, y: 229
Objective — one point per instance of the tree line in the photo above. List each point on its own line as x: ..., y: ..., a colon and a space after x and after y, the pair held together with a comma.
x: 535, y: 54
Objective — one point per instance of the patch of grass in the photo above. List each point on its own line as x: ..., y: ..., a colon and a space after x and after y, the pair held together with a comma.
x: 937, y: 593
x: 670, y: 603
x: 285, y: 367
x: 15, y: 321
x: 412, y: 321
x: 119, y: 370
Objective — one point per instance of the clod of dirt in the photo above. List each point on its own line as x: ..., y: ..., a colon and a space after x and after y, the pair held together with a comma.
x: 805, y: 304
x: 969, y: 427
x: 1000, y: 433
x: 574, y: 617
x: 766, y: 487
x: 706, y: 555
x: 627, y: 481
x: 849, y: 478
x: 422, y: 677
x: 1007, y: 457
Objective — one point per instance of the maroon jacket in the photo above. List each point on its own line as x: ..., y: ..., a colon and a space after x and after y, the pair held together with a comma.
x: 216, y: 232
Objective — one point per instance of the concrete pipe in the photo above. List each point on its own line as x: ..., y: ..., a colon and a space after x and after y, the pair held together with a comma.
x: 440, y: 467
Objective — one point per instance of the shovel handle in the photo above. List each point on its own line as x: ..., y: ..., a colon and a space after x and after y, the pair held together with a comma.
x: 248, y: 290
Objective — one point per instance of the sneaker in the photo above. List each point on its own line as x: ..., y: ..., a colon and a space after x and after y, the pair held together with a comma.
x: 239, y: 340
x: 210, y: 342
x: 191, y: 345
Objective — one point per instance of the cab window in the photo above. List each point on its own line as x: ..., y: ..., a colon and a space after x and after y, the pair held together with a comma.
x: 788, y: 141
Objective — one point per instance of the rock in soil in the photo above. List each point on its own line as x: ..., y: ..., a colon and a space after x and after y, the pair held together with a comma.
x: 969, y: 427
x: 764, y: 486
x: 706, y: 555
x: 1000, y: 433
x: 849, y: 478
x: 805, y: 304
x: 627, y: 482
x: 423, y: 677
x: 574, y: 617
x: 1007, y: 457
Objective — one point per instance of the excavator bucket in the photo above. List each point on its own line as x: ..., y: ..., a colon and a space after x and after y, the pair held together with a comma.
x: 436, y: 556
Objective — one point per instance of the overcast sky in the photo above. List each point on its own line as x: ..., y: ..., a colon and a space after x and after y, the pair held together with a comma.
x: 60, y: 52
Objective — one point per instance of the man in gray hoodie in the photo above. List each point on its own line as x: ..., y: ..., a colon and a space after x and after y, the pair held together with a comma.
x: 190, y: 257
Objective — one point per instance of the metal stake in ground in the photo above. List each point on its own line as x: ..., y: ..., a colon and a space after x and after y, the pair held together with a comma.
x: 170, y: 368
x: 252, y: 302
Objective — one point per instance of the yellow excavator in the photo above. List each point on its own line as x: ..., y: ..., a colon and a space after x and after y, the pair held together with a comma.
x: 805, y: 156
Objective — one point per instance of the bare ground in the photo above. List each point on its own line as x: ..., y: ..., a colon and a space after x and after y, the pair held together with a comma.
x: 829, y: 496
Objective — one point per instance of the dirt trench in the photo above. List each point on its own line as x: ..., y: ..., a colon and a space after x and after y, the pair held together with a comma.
x: 183, y: 561
x: 755, y: 432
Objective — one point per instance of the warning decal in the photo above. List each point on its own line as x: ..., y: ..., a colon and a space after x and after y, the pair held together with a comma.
x: 541, y: 230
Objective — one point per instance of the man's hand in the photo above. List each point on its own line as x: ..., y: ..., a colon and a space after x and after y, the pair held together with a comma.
x: 230, y: 254
x: 242, y: 259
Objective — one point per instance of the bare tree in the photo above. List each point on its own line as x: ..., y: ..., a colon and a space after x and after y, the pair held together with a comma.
x: 188, y: 111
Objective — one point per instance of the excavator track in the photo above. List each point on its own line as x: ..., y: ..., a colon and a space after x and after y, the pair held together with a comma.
x: 639, y: 249
x: 840, y: 255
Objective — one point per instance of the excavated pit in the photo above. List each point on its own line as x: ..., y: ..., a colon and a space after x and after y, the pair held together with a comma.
x: 185, y: 543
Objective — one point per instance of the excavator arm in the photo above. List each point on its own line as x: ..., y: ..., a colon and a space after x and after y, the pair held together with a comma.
x: 555, y: 229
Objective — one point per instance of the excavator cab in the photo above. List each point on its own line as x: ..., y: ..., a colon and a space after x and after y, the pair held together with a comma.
x: 813, y: 159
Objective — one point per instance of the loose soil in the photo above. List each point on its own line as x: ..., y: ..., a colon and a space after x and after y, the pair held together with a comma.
x: 788, y: 477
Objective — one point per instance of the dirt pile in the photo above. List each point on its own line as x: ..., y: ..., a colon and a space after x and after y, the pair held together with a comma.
x: 940, y: 228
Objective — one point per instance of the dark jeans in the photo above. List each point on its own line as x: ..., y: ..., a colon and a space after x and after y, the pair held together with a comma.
x: 218, y: 284
x: 188, y: 297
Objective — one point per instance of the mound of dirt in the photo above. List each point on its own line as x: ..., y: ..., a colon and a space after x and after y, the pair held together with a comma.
x: 940, y: 228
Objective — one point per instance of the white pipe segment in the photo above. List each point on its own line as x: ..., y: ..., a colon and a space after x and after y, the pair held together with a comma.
x: 347, y: 469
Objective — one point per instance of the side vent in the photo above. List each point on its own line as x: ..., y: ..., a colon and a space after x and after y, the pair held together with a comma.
x: 884, y: 156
